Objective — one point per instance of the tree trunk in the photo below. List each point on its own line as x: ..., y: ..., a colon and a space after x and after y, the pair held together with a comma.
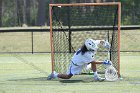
x: 41, y: 13
x: 24, y: 13
x: 28, y: 14
x: 19, y: 12
x: 0, y: 13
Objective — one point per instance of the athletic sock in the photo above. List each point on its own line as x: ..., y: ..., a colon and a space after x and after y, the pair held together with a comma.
x: 55, y: 74
x: 95, y: 73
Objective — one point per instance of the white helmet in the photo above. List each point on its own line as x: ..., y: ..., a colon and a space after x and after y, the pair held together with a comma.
x: 90, y: 44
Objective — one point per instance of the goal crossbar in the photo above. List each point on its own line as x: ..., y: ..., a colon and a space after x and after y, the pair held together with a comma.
x: 87, y: 4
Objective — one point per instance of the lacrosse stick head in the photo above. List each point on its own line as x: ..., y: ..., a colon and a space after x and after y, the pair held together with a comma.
x: 111, y: 73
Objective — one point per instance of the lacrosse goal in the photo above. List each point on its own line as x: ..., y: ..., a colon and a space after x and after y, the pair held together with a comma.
x: 72, y: 24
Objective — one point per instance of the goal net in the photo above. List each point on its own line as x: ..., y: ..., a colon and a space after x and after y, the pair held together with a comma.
x: 72, y: 24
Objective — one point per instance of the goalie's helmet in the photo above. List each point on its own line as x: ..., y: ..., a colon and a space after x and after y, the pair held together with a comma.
x: 91, y: 45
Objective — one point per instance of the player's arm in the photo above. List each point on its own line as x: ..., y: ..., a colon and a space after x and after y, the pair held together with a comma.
x: 99, y: 62
x: 93, y: 64
x: 106, y: 62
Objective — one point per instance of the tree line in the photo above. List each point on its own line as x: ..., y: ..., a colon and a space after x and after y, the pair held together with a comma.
x: 35, y: 12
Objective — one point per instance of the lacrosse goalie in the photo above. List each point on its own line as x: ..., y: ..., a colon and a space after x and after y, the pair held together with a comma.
x: 82, y: 57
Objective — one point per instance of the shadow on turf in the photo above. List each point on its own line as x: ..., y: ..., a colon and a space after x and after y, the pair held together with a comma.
x: 70, y: 81
x: 45, y: 79
x: 30, y: 79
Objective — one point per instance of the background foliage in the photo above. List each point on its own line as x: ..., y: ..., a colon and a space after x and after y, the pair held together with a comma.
x: 35, y: 12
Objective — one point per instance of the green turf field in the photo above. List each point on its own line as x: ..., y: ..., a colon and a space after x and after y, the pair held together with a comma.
x: 26, y: 73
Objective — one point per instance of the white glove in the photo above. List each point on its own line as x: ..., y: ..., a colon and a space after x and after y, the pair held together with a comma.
x: 107, y: 62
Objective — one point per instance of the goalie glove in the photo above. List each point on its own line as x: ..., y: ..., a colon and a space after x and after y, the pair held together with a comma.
x: 107, y: 62
x: 106, y: 44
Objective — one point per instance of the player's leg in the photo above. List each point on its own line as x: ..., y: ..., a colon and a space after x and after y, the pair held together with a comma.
x: 58, y: 75
x: 71, y: 71
x: 64, y: 76
x: 94, y: 68
x: 68, y: 75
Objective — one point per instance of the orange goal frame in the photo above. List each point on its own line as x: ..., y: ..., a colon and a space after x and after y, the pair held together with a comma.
x: 86, y: 4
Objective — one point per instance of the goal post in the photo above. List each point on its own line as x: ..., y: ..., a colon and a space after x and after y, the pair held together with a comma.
x: 72, y: 24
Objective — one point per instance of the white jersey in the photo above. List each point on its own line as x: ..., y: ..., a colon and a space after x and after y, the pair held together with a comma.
x: 81, y: 59
x: 86, y: 58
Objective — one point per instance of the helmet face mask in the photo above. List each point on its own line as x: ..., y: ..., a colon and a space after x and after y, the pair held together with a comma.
x: 91, y: 45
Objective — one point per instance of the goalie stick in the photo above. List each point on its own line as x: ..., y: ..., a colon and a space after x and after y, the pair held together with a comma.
x: 111, y: 74
x: 110, y: 71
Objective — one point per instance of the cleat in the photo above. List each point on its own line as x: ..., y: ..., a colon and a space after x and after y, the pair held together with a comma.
x: 51, y: 76
x: 97, y: 78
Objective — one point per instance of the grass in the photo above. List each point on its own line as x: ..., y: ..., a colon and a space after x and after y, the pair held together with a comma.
x: 20, y: 77
x: 22, y: 42
x: 27, y: 73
